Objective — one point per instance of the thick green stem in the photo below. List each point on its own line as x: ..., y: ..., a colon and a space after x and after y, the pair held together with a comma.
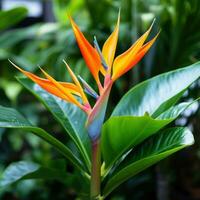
x: 96, y: 171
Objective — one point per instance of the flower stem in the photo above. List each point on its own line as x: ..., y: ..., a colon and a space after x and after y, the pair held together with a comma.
x: 96, y: 170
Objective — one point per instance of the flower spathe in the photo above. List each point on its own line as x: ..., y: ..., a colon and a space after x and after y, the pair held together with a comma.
x: 97, y: 61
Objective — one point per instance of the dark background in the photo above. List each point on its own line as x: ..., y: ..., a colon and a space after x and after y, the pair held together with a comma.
x: 41, y: 35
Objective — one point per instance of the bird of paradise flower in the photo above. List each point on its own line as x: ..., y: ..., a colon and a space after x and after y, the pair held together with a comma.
x: 98, y: 62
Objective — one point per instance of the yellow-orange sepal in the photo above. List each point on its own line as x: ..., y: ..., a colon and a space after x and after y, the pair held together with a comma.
x: 88, y: 52
x: 129, y: 58
x: 76, y: 81
x: 110, y: 45
x: 62, y: 90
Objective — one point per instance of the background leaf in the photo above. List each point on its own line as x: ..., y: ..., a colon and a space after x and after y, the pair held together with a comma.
x: 11, y: 17
x: 24, y: 170
x: 10, y: 118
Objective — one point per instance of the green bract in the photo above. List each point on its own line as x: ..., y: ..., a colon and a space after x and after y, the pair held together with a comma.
x: 132, y: 139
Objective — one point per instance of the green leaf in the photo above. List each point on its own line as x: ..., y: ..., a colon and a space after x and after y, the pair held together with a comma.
x: 11, y: 17
x: 10, y: 118
x: 10, y: 39
x: 158, y: 93
x: 61, y: 7
x: 150, y: 152
x: 68, y: 115
x: 12, y: 89
x: 121, y: 133
x: 24, y: 170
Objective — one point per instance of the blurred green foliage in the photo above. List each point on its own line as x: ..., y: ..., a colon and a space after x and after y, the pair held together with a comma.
x: 47, y: 44
x: 11, y: 17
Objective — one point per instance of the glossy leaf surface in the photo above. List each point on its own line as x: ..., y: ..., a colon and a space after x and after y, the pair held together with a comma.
x: 68, y: 115
x: 10, y: 118
x: 24, y: 170
x: 157, y: 94
x: 125, y: 132
x: 148, y: 153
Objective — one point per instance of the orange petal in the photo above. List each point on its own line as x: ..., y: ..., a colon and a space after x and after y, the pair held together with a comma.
x: 71, y: 88
x: 124, y: 60
x: 49, y: 86
x: 140, y: 54
x: 71, y: 98
x: 88, y: 52
x: 110, y: 45
x: 76, y: 81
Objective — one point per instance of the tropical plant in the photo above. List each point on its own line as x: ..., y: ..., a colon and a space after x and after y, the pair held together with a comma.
x: 133, y: 138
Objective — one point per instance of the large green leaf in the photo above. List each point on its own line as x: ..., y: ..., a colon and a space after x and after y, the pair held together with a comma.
x: 24, y: 170
x: 11, y: 17
x: 150, y: 152
x: 157, y: 94
x: 121, y: 133
x: 10, y: 118
x: 68, y: 115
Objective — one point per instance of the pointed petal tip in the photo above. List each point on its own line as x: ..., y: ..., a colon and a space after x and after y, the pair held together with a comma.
x: 13, y: 64
x: 73, y: 24
x: 70, y: 17
x: 103, y: 62
x: 154, y: 38
x: 76, y: 81
x: 9, y: 60
x: 88, y: 52
x: 110, y: 45
x: 159, y: 31
x: 51, y: 85
x: 141, y: 51
x: 41, y: 69
x: 66, y: 64
x: 119, y: 10
x: 69, y: 69
x: 39, y: 66
x: 153, y: 22
x: 119, y: 15
x: 151, y: 26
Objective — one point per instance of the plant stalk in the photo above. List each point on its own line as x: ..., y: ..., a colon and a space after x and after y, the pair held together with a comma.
x: 95, y: 171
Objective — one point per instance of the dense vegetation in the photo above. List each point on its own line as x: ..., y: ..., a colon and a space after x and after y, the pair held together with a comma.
x: 47, y: 44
